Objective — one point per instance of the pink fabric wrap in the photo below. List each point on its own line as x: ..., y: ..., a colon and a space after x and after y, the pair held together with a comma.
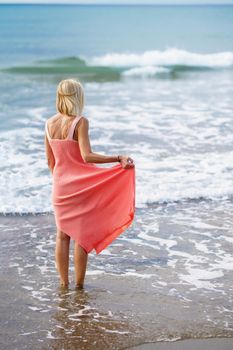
x: 93, y: 205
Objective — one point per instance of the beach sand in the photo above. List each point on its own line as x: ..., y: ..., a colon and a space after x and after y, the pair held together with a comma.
x: 191, y: 344
x: 119, y: 307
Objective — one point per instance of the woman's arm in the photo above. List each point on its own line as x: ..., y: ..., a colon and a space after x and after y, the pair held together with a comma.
x: 49, y: 154
x: 91, y: 157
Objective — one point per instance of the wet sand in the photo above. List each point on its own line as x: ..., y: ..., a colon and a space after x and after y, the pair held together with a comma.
x: 132, y: 293
x: 192, y: 344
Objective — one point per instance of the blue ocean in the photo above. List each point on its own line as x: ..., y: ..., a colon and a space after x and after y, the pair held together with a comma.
x: 158, y: 84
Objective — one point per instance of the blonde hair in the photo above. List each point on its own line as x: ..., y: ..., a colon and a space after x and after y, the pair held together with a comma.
x: 70, y: 97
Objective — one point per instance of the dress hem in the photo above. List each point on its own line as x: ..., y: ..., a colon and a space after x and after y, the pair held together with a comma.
x: 75, y: 239
x: 108, y: 240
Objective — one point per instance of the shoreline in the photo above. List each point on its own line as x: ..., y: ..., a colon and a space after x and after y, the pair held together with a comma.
x: 133, y: 296
x: 188, y: 344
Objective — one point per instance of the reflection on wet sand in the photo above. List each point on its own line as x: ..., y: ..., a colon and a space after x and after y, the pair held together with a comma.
x: 77, y: 322
x: 168, y: 278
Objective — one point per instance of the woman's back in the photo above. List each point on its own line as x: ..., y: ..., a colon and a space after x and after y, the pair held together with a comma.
x: 65, y: 148
x: 59, y: 126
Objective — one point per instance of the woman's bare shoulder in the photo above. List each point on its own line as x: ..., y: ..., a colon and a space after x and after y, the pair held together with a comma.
x: 81, y: 127
x: 84, y: 121
x: 84, y: 118
x: 53, y: 118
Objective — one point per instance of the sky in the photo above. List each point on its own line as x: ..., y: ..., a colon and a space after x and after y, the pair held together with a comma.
x: 121, y: 1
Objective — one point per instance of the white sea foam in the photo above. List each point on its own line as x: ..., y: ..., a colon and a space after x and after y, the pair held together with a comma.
x: 146, y: 71
x: 160, y: 241
x: 181, y: 143
x: 201, y: 278
x: 81, y: 312
x: 169, y: 57
x: 138, y: 275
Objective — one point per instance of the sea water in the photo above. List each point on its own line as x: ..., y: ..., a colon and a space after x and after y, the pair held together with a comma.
x: 158, y: 84
x: 158, y: 87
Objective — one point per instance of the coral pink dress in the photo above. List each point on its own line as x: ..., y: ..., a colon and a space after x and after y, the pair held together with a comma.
x: 93, y: 205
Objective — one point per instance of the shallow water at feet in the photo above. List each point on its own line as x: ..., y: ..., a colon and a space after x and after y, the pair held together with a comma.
x: 166, y: 278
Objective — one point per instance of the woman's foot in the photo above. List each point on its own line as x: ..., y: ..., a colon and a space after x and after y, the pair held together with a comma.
x: 79, y: 286
x: 64, y: 284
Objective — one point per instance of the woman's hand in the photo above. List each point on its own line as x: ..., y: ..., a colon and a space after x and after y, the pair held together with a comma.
x: 126, y: 162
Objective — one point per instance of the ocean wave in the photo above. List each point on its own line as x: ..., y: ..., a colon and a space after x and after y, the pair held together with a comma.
x: 142, y: 203
x: 67, y: 65
x: 198, y: 197
x: 179, y: 134
x: 146, y: 71
x: 168, y: 58
x: 112, y: 66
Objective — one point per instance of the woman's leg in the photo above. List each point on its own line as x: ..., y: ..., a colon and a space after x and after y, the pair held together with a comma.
x: 62, y: 256
x: 80, y: 264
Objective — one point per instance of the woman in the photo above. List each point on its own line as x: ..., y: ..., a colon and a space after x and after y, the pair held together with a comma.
x: 92, y: 204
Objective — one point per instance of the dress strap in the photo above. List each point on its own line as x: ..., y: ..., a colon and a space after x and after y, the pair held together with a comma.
x: 72, y: 127
x: 47, y: 131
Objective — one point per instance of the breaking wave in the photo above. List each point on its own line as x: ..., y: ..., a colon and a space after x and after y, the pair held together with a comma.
x: 112, y: 66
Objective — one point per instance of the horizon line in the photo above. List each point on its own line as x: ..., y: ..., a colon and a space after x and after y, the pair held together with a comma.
x: 114, y: 4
